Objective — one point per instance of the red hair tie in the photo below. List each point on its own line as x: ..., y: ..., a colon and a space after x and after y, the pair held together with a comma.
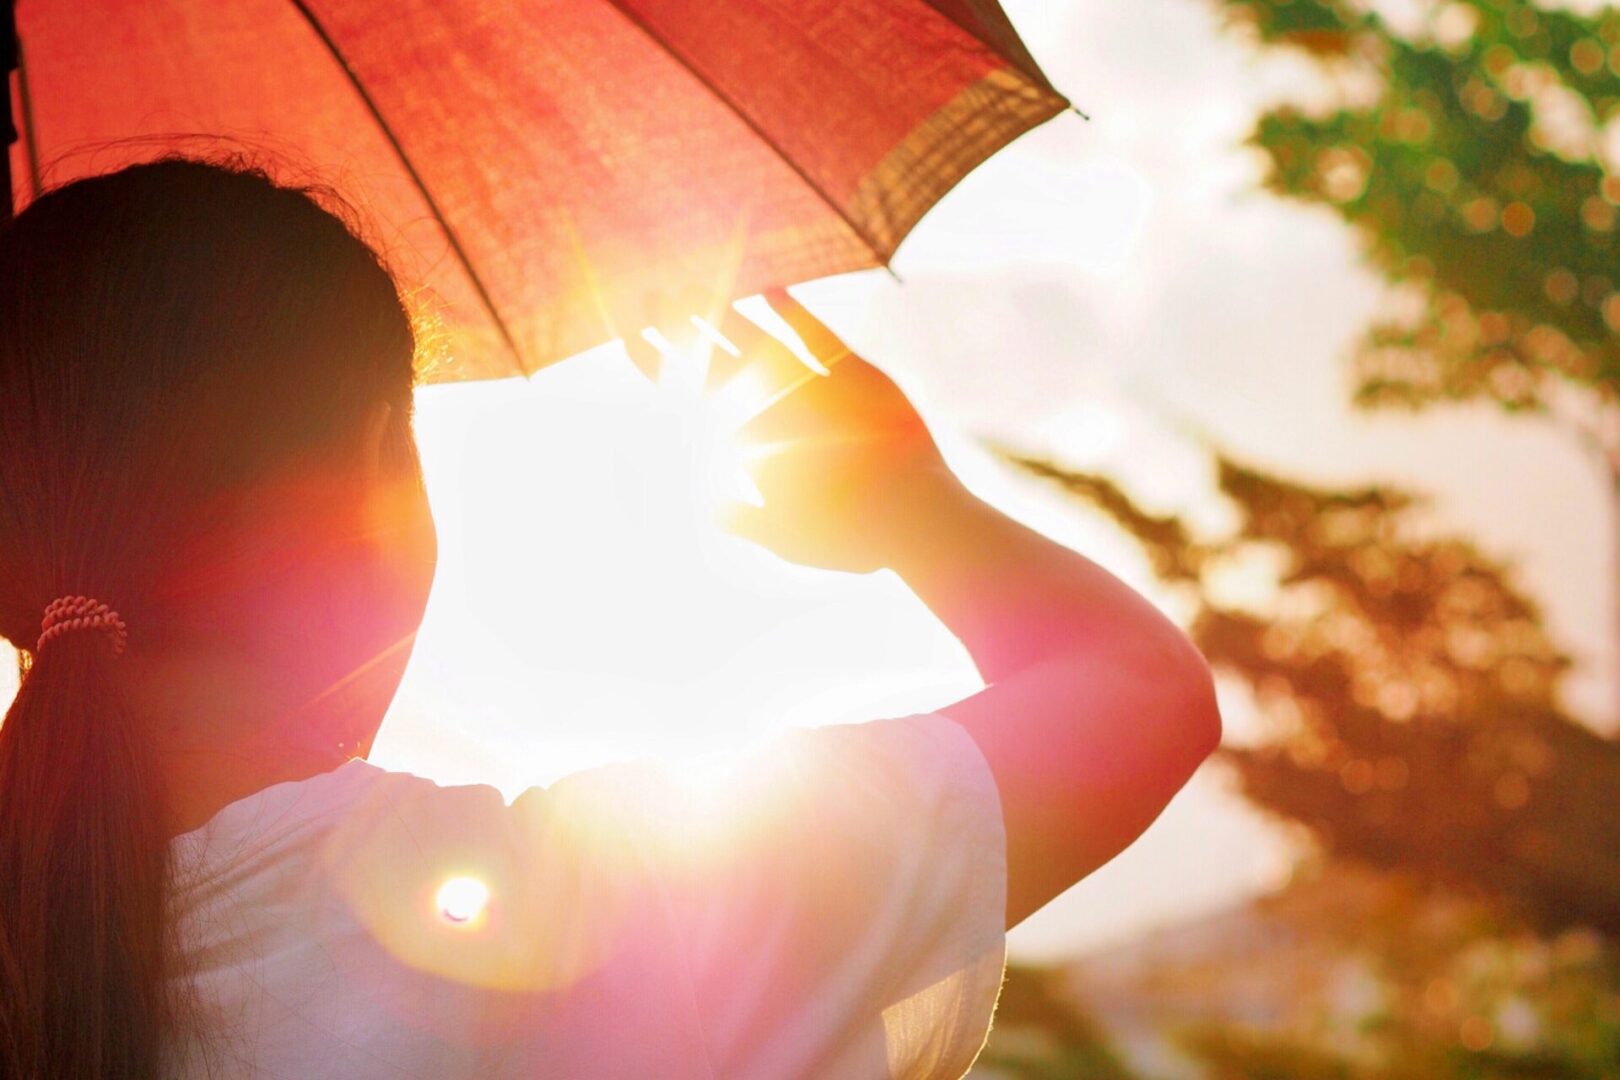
x: 68, y: 613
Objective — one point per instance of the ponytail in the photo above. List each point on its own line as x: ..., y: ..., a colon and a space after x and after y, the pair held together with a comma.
x: 172, y: 335
x: 85, y: 953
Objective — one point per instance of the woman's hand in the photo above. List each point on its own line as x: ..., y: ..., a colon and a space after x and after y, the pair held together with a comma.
x: 1096, y: 707
x: 843, y: 460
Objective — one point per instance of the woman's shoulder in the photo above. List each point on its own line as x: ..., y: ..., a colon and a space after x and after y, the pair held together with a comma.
x: 356, y: 797
x: 615, y: 816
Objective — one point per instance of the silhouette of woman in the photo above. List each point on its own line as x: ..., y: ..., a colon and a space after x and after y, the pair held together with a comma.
x: 215, y: 551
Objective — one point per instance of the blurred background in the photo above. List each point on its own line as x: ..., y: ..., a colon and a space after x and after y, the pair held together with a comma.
x: 1312, y: 334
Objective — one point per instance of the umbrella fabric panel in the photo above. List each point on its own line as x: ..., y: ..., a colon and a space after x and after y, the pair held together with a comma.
x: 118, y: 81
x: 579, y: 156
x: 582, y: 166
x: 985, y: 20
x: 838, y: 88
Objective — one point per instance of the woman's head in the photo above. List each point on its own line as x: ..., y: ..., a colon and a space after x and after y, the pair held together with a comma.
x: 205, y: 400
x: 174, y: 335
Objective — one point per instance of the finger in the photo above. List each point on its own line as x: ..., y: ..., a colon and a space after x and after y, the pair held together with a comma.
x: 673, y: 318
x: 802, y: 404
x: 745, y: 521
x: 690, y: 318
x: 767, y: 371
x: 726, y: 357
x: 751, y: 338
x: 627, y: 319
x: 823, y: 344
x: 703, y: 303
x: 677, y: 340
x: 647, y: 358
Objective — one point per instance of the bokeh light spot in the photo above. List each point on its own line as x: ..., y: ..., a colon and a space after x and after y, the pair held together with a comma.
x: 462, y: 900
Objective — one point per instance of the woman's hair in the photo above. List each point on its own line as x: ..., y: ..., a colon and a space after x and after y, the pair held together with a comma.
x: 168, y: 333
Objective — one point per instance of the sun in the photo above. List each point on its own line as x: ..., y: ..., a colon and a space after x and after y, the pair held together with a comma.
x: 589, y: 607
x: 462, y: 900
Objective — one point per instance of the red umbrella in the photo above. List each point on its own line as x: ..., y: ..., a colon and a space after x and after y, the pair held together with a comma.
x: 537, y: 161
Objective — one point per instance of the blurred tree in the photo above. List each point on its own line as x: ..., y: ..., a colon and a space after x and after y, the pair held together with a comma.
x: 1411, y: 697
x: 1443, y: 987
x: 1411, y: 688
x: 1474, y: 146
x: 1041, y: 1034
x: 1411, y: 692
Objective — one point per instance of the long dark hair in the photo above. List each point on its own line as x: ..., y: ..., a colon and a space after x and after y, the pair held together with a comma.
x: 166, y: 331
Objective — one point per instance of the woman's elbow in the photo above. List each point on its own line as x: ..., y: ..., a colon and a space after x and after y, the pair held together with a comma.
x: 1189, y: 714
x: 1203, y: 710
x: 1180, y: 726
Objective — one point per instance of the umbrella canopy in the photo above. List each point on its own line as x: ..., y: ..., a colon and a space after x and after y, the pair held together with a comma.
x: 537, y: 162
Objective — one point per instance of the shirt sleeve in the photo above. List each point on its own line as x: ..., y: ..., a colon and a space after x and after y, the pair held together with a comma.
x: 835, y: 896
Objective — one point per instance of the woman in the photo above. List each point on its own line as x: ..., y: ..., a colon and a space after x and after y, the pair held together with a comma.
x: 215, y: 552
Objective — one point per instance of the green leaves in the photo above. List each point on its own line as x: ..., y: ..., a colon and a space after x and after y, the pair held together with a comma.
x: 1474, y: 182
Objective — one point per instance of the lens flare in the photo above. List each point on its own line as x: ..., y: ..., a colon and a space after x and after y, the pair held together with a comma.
x: 461, y: 900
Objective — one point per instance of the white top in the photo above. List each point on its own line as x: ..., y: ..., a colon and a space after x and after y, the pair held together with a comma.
x: 827, y: 904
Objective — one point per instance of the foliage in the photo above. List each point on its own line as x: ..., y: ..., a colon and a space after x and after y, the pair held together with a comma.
x: 1474, y: 173
x: 1039, y: 1034
x: 1411, y: 690
x: 1415, y: 726
x: 1447, y: 988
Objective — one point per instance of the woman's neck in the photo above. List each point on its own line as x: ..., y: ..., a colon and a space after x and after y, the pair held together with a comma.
x: 204, y: 781
x: 221, y: 731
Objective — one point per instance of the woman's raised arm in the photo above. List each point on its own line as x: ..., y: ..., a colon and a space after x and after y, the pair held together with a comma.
x: 1096, y: 708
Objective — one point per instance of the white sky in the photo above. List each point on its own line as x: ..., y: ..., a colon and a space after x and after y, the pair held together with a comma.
x: 1081, y: 294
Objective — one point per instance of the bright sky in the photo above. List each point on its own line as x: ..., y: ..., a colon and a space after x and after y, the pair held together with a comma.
x: 1082, y: 294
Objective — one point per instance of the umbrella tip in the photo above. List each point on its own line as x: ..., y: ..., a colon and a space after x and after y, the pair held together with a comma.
x: 1081, y: 113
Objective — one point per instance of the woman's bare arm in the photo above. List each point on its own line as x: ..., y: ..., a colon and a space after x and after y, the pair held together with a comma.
x: 1096, y: 708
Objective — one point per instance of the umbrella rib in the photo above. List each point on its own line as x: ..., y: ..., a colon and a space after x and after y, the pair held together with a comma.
x: 416, y: 178
x: 1032, y: 72
x: 860, y: 234
x: 25, y: 109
